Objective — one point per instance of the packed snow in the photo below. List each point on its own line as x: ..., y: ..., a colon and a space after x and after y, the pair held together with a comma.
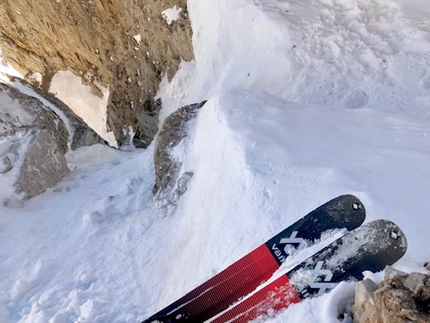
x: 171, y: 14
x: 84, y: 101
x: 307, y: 100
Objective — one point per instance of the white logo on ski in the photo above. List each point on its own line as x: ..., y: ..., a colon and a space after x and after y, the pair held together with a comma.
x: 288, y: 242
x: 293, y: 240
x: 318, y: 271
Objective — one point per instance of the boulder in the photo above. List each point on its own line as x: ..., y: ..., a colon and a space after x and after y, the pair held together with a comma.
x: 35, y: 133
x: 170, y: 179
x: 399, y: 298
x: 123, y: 46
x: 365, y: 302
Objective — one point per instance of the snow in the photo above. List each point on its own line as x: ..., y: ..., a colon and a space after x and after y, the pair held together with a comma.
x: 36, y: 77
x: 5, y: 67
x: 307, y: 100
x: 30, y: 92
x: 17, y: 116
x: 171, y: 14
x: 137, y: 38
x: 84, y: 102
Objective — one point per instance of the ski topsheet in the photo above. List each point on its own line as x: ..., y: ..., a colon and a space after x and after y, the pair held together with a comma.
x: 370, y: 247
x: 246, y: 274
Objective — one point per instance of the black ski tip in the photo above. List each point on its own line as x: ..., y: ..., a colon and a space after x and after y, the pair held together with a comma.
x: 155, y: 320
x: 371, y: 247
x: 389, y: 231
x: 346, y: 210
x: 382, y: 243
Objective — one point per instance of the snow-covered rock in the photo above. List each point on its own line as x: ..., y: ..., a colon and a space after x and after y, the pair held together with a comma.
x: 80, y: 134
x: 33, y: 142
x: 171, y: 180
x: 36, y: 131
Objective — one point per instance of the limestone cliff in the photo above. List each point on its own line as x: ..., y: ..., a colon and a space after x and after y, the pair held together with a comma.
x: 126, y: 45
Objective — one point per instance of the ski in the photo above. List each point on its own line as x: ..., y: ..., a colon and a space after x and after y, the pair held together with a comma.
x: 246, y: 274
x: 370, y: 247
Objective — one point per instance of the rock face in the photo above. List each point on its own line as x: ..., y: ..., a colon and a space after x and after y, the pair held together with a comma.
x: 170, y: 184
x: 126, y: 45
x: 400, y: 298
x: 33, y: 141
x: 80, y: 134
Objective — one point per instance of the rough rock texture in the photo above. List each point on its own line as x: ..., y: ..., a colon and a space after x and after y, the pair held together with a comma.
x: 127, y: 45
x: 44, y: 164
x: 364, y: 307
x: 400, y: 298
x: 168, y: 185
x: 33, y: 141
x: 80, y: 134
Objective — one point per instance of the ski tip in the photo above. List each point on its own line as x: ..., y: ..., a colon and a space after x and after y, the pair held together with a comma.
x: 381, y: 241
x: 152, y: 321
x: 393, y: 233
x: 347, y: 210
x: 157, y: 319
x: 371, y: 247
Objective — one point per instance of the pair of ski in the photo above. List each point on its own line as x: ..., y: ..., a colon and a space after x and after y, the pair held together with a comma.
x: 234, y: 295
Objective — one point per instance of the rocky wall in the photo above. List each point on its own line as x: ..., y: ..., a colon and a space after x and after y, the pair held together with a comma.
x: 124, y: 45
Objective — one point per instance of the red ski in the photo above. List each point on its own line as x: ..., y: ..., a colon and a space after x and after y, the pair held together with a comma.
x: 242, y: 277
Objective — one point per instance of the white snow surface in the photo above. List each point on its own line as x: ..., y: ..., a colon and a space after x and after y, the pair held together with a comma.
x: 5, y: 67
x: 307, y: 100
x: 84, y: 102
x: 171, y: 14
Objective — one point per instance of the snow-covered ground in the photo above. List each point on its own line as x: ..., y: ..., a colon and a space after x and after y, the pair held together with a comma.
x: 307, y: 100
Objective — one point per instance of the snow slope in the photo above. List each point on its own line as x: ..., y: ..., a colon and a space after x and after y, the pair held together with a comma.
x: 354, y: 53
x: 306, y: 100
